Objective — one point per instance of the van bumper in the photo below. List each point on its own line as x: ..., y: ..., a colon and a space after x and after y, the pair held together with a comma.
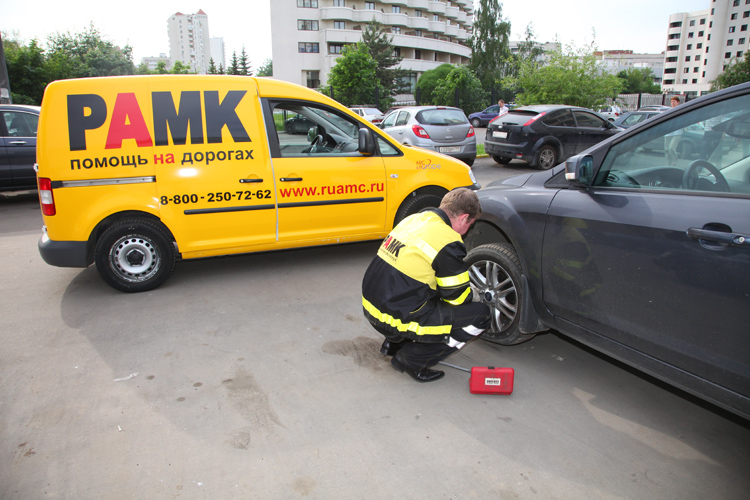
x: 62, y: 253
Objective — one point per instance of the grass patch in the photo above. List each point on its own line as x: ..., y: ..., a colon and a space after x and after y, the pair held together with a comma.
x: 480, y: 149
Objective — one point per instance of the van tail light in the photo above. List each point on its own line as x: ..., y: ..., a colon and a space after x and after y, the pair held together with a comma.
x: 471, y: 132
x: 535, y: 118
x: 420, y: 132
x: 46, y: 198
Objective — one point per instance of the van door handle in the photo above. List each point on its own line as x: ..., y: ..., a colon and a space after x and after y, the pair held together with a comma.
x: 18, y: 142
x: 245, y: 181
x: 290, y: 179
x: 719, y: 236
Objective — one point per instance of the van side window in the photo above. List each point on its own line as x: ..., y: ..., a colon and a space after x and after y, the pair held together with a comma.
x: 308, y: 129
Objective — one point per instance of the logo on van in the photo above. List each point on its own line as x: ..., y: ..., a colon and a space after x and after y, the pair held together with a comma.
x: 427, y: 165
x: 89, y: 112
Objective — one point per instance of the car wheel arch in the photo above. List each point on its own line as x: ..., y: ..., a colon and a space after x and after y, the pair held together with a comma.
x: 112, y: 219
x: 430, y: 191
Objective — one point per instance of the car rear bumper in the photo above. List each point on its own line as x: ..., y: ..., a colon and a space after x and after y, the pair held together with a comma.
x: 516, y: 152
x: 466, y: 151
x: 62, y: 253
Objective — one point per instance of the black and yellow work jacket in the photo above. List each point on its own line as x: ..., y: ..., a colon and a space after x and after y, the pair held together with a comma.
x: 418, y: 273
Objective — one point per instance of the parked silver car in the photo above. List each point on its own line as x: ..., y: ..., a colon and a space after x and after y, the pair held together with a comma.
x: 439, y: 128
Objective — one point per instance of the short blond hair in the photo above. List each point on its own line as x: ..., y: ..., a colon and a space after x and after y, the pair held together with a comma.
x: 461, y: 201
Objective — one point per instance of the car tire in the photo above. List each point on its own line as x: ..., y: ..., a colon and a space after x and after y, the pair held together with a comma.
x: 495, y: 271
x: 476, y: 122
x: 546, y: 157
x: 469, y: 161
x: 415, y: 203
x: 135, y: 255
x: 501, y: 159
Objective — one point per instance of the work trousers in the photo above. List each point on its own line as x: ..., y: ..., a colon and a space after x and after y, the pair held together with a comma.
x: 469, y: 320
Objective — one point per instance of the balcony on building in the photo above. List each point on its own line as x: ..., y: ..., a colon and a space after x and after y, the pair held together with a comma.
x: 419, y: 4
x: 436, y: 7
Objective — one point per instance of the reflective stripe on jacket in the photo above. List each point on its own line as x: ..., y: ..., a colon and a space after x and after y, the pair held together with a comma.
x: 420, y: 264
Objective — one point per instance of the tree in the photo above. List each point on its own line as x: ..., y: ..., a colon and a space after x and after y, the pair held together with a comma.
x: 352, y: 80
x: 429, y: 81
x: 243, y: 66
x: 471, y: 96
x: 638, y: 81
x: 573, y: 77
x: 266, y: 69
x: 178, y: 68
x: 212, y: 67
x: 234, y: 65
x: 734, y: 74
x: 86, y: 54
x: 26, y: 71
x: 381, y: 49
x: 490, y: 47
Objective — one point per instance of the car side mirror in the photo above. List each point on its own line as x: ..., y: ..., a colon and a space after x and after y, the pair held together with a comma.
x: 312, y: 133
x: 366, y: 142
x: 580, y: 170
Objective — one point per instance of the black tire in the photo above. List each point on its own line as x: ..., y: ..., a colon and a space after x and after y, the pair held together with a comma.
x: 546, y: 157
x: 501, y: 159
x: 414, y: 204
x: 476, y: 122
x: 135, y: 255
x: 469, y: 161
x: 496, y: 272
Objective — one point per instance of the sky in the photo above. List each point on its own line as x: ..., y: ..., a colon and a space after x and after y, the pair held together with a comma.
x: 638, y: 25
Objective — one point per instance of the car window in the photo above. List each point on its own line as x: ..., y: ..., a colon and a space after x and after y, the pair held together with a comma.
x: 707, y: 149
x: 20, y: 124
x: 518, y: 117
x: 633, y: 119
x: 441, y: 117
x: 386, y: 149
x: 305, y: 129
x: 403, y: 118
x: 389, y: 120
x: 585, y: 119
x: 561, y: 118
x: 493, y: 109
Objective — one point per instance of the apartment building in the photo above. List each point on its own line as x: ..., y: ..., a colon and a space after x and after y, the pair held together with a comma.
x: 701, y: 44
x: 189, y: 41
x: 308, y: 35
x: 218, y: 53
x: 615, y: 61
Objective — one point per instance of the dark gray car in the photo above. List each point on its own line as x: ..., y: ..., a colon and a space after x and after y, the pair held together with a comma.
x: 641, y: 253
x: 18, y: 126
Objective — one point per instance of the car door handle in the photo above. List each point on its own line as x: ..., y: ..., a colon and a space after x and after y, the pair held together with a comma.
x: 245, y: 181
x: 290, y: 179
x: 19, y: 143
x: 719, y: 236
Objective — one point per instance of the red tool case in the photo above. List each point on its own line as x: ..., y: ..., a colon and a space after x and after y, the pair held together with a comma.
x: 491, y: 380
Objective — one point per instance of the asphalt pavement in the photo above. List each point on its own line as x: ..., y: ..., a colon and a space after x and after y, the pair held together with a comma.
x: 257, y: 377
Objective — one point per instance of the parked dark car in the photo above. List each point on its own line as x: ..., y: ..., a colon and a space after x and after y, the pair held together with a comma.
x: 627, y: 120
x: 298, y: 125
x: 18, y: 146
x: 644, y: 256
x: 482, y: 118
x: 544, y: 135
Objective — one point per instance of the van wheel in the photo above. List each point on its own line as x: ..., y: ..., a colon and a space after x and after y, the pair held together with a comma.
x: 414, y: 204
x: 135, y: 255
x: 495, y: 271
x: 546, y: 157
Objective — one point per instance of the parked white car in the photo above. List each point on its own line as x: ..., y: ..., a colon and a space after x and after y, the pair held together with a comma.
x: 372, y: 115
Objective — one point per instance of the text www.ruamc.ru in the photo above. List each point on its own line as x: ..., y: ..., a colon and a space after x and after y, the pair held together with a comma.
x: 375, y: 187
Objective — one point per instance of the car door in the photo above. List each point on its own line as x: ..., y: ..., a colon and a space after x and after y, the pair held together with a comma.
x: 490, y: 113
x: 398, y: 128
x: 561, y: 125
x: 591, y: 129
x: 655, y: 255
x: 326, y: 188
x: 19, y: 144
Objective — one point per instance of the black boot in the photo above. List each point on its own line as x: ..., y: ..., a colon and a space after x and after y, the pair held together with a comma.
x: 390, y: 348
x: 423, y: 375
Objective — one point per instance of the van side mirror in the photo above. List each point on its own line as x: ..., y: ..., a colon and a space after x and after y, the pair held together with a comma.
x: 580, y: 170
x: 366, y: 142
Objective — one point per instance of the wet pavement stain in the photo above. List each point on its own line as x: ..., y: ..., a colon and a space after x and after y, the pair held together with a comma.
x: 246, y: 396
x: 365, y: 351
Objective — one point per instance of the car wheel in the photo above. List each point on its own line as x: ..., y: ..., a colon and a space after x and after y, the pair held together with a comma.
x: 476, y: 122
x: 414, y: 204
x: 501, y: 159
x: 495, y: 271
x: 469, y: 161
x: 135, y: 255
x: 546, y: 157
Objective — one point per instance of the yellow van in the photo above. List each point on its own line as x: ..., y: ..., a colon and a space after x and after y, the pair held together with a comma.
x: 137, y: 172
